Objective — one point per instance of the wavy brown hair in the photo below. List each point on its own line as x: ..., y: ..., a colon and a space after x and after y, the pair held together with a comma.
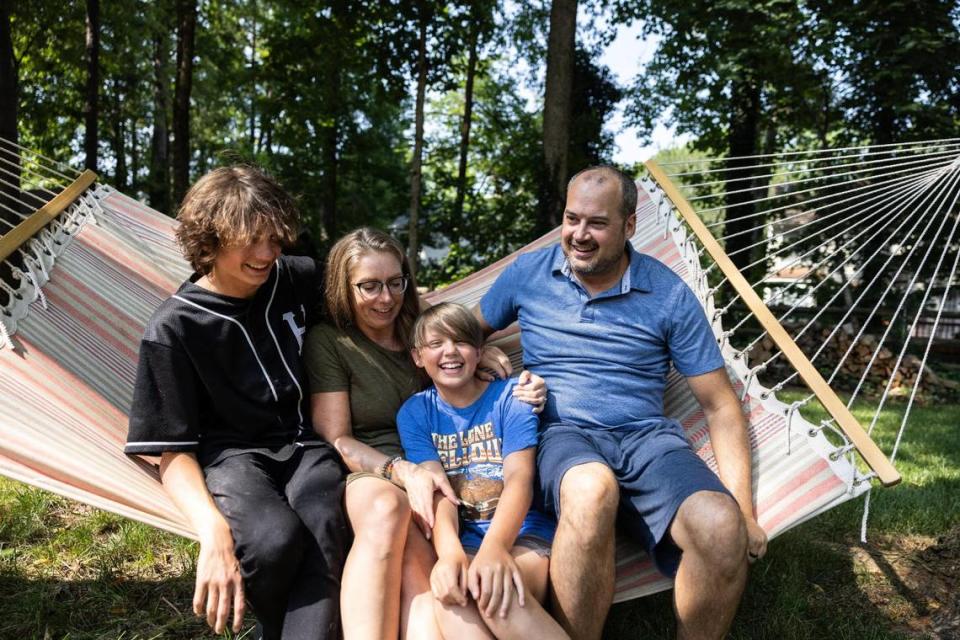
x: 232, y: 207
x: 451, y: 320
x: 339, y: 292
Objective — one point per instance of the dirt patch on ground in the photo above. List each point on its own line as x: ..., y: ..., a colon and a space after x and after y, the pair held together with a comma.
x: 915, y: 581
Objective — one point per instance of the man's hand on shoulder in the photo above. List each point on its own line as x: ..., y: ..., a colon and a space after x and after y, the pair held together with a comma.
x: 531, y: 389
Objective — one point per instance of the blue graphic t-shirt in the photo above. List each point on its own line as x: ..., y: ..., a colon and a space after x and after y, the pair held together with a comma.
x: 471, y: 444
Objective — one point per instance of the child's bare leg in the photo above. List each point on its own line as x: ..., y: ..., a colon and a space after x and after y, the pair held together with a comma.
x: 417, y: 619
x: 461, y: 623
x: 530, y: 622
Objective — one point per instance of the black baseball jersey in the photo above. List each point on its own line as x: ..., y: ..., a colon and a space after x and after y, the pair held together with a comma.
x: 219, y: 374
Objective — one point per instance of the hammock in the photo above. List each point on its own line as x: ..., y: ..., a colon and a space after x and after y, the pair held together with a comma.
x: 80, y: 288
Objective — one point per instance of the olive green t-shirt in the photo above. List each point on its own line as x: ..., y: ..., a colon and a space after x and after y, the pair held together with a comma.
x: 377, y: 379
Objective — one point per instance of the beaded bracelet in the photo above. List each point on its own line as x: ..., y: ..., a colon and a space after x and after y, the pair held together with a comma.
x: 385, y: 470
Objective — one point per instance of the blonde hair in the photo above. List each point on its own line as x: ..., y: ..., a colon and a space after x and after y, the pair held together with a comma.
x: 339, y: 292
x: 450, y: 320
x: 231, y: 207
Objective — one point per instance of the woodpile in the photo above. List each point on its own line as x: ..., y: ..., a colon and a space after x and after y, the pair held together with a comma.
x: 862, y: 354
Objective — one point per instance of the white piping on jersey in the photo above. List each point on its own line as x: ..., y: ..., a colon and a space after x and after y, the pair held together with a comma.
x: 296, y: 383
x: 161, y: 444
x: 245, y: 335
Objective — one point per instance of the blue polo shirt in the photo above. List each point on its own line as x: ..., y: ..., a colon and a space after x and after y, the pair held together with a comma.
x: 605, y: 359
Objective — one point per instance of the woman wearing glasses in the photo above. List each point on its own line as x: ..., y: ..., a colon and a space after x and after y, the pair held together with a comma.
x: 361, y: 372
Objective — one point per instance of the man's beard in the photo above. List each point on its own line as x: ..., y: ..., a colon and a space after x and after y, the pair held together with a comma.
x: 599, y: 265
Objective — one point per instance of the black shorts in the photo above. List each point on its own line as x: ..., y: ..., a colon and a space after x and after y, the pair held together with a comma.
x: 656, y: 470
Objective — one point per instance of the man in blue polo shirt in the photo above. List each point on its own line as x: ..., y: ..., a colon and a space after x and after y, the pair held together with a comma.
x: 601, y: 324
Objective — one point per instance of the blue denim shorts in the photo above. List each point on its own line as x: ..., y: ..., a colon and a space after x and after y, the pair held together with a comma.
x: 656, y: 470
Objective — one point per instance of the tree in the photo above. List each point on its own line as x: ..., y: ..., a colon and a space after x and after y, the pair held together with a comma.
x: 595, y: 95
x: 158, y: 189
x: 735, y: 74
x: 899, y: 62
x: 502, y: 177
x: 339, y: 145
x: 557, y: 109
x: 480, y: 26
x: 186, y: 29
x: 413, y: 246
x: 9, y: 95
x: 91, y: 110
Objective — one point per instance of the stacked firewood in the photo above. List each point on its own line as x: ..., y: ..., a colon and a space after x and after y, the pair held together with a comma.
x: 853, y: 358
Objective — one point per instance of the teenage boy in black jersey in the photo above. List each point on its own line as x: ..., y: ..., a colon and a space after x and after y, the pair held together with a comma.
x: 221, y: 397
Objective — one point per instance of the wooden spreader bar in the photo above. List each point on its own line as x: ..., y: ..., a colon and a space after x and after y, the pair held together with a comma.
x: 37, y: 220
x: 868, y: 449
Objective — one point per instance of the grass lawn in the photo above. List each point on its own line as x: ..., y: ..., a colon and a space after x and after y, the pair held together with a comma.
x: 69, y: 571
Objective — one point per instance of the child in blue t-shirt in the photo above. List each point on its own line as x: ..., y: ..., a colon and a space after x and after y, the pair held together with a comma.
x: 496, y: 550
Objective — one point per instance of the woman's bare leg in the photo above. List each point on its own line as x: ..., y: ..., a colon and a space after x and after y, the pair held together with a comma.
x: 370, y: 592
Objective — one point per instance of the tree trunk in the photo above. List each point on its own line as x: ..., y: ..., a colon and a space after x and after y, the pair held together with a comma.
x: 413, y: 248
x: 91, y: 110
x: 134, y: 154
x: 253, y: 79
x: 9, y: 96
x: 742, y: 141
x: 119, y: 145
x: 330, y: 131
x: 556, y: 111
x: 159, y: 186
x: 330, y: 139
x: 465, y: 135
x: 186, y: 27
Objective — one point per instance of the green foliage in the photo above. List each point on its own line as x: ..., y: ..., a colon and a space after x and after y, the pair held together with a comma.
x: 501, y: 195
x: 48, y: 48
x: 898, y: 62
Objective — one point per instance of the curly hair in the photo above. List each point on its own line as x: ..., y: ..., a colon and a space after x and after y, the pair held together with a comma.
x: 232, y: 207
x: 338, y: 291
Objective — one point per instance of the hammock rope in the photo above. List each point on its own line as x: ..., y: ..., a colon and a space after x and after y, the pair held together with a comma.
x: 866, y: 187
x: 892, y: 147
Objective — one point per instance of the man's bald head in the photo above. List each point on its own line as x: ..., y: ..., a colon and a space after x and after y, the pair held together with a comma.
x: 600, y: 174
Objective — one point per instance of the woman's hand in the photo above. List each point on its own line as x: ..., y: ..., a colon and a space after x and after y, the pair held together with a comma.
x: 531, y: 389
x: 421, y: 483
x: 219, y: 584
x: 493, y: 364
x: 492, y: 577
x: 448, y: 580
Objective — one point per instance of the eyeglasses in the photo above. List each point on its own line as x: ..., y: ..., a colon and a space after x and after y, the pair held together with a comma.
x: 372, y: 288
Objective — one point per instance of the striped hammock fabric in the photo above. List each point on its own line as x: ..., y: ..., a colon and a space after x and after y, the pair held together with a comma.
x: 109, y: 261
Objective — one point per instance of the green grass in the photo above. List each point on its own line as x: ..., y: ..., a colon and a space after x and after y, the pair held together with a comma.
x: 813, y: 584
x: 69, y: 571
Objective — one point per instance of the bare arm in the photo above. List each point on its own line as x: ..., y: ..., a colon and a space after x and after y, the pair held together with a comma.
x: 331, y: 420
x: 219, y: 585
x: 731, y: 446
x: 494, y: 363
x: 448, y: 579
x: 493, y: 573
x: 478, y: 314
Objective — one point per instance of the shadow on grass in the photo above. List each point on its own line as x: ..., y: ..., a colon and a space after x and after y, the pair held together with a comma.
x: 109, y: 608
x: 816, y: 582
x: 802, y: 590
